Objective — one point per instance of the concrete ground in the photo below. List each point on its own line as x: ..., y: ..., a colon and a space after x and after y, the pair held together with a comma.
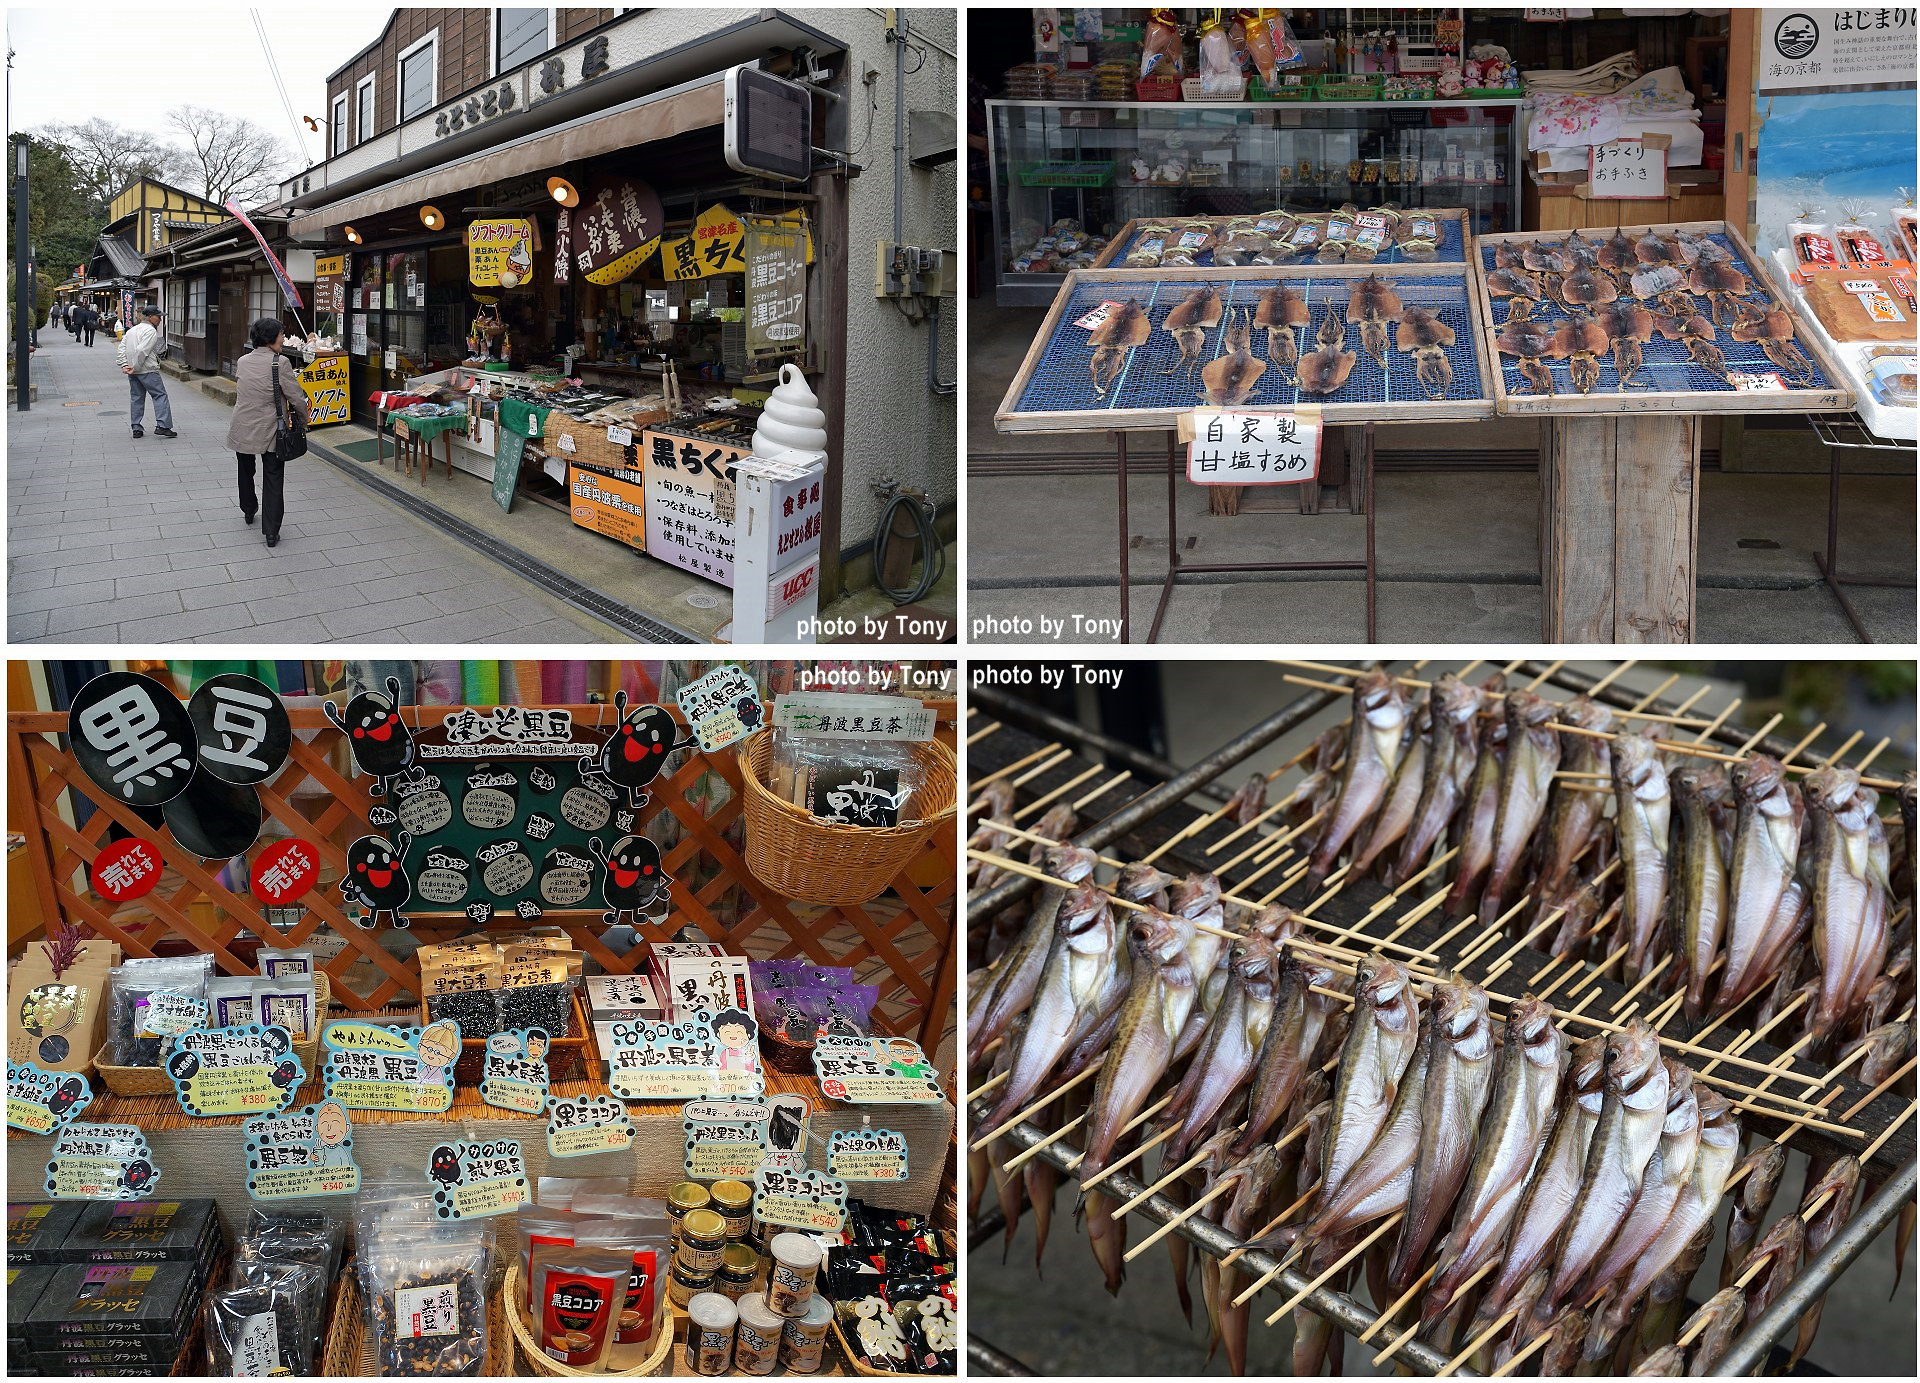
x: 1057, y: 1318
x: 114, y: 540
x: 1457, y: 551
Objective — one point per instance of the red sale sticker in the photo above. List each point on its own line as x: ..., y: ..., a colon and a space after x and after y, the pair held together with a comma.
x: 127, y: 869
x: 285, y: 871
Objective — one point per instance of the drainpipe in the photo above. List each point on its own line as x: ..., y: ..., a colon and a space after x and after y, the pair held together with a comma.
x: 936, y: 385
x: 899, y: 133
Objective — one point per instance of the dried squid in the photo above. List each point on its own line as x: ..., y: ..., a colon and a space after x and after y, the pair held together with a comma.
x: 1230, y: 379
x: 1282, y: 309
x: 1124, y: 328
x: 1374, y: 305
x: 1189, y: 322
x: 1773, y: 329
x: 1425, y: 337
x: 1582, y: 341
x: 1324, y: 369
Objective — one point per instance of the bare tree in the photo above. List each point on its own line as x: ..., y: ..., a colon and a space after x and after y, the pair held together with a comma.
x: 109, y: 158
x: 229, y: 155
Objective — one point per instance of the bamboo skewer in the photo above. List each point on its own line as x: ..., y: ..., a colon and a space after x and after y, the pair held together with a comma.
x: 1269, y: 1228
x: 1520, y: 1356
x: 1760, y: 734
x: 1110, y: 785
x: 1338, y: 1264
x: 1113, y: 1167
x: 1398, y: 1305
x: 982, y: 733
x: 1866, y: 1153
x: 1033, y: 1108
x: 1877, y: 1090
x: 1472, y: 1349
x: 1025, y: 1154
x: 997, y: 1079
x: 1039, y: 804
x: 1167, y: 1179
x: 1128, y: 1159
x: 1011, y: 768
x: 1812, y: 735
x: 1181, y: 1218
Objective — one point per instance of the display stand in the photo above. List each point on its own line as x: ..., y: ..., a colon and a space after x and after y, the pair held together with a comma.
x: 1834, y: 433
x: 1176, y: 567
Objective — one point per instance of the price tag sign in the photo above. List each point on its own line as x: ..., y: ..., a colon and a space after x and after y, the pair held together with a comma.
x: 515, y: 1074
x: 1626, y: 169
x: 244, y: 1070
x: 1767, y: 383
x: 406, y: 1069
x: 867, y: 1154
x: 811, y: 1201
x: 41, y: 1101
x: 101, y: 1162
x: 474, y: 1180
x: 1098, y: 315
x: 680, y: 1061
x: 725, y: 1138
x: 875, y: 1070
x: 722, y: 707
x: 302, y: 1152
x: 587, y: 1124
x: 1229, y: 448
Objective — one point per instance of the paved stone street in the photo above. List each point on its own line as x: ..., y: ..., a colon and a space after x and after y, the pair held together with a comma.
x: 116, y: 540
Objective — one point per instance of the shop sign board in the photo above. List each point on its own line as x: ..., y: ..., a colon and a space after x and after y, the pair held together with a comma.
x: 330, y: 291
x: 500, y: 252
x: 690, y: 503
x: 867, y: 1154
x: 711, y: 247
x: 515, y: 1074
x: 776, y: 318
x: 811, y: 1201
x: 724, y: 1138
x: 683, y: 1061
x: 1625, y: 169
x: 616, y: 229
x: 1245, y: 448
x: 1813, y: 48
x: 406, y: 1069
x: 609, y: 506
x: 587, y: 1124
x: 723, y: 707
x: 325, y: 385
x: 793, y: 585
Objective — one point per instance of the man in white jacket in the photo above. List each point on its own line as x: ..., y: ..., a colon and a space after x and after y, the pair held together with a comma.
x: 139, y: 355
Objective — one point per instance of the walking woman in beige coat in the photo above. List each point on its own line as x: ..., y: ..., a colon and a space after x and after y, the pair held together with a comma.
x: 265, y: 383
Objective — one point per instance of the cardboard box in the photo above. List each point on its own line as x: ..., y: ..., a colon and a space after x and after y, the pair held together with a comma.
x: 623, y: 998
x: 698, y: 977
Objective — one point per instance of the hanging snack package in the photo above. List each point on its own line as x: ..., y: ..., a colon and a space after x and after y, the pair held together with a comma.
x: 1859, y: 246
x: 1160, y: 55
x: 536, y: 991
x: 458, y: 981
x: 424, y: 1280
x: 1813, y: 244
x: 1906, y: 231
x: 576, y: 1299
x: 150, y: 1004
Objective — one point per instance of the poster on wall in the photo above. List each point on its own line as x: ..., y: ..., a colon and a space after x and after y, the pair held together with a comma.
x: 1805, y: 49
x: 690, y: 503
x: 776, y: 255
x: 329, y: 294
x: 500, y: 252
x: 711, y: 247
x: 616, y: 229
x: 609, y: 506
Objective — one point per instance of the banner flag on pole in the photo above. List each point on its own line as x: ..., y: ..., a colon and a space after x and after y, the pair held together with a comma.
x: 273, y: 260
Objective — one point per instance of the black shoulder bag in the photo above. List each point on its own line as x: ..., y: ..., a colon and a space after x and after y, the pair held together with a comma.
x: 290, y: 438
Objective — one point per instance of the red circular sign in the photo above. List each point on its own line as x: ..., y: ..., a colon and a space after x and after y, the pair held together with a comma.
x: 284, y: 871
x: 126, y: 869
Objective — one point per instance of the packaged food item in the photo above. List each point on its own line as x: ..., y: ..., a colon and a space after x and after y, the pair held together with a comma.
x: 1863, y: 304
x: 154, y: 999
x: 537, y: 1227
x: 703, y: 1234
x: 711, y: 1319
x: 267, y: 1324
x: 1906, y: 231
x: 733, y: 1203
x: 637, y: 1314
x: 796, y: 1263
x: 278, y: 964
x: 756, y: 1340
x: 233, y: 1001
x: 457, y: 981
x: 289, y: 1002
x: 682, y: 1197
x: 1891, y: 376
x: 185, y: 1231
x: 1813, y: 244
x: 57, y: 1001
x: 803, y: 1341
x: 37, y: 1229
x: 1859, y: 246
x: 536, y: 991
x: 739, y: 1271
x: 577, y: 1296
x: 424, y: 1281
x: 557, y: 1193
x: 684, y: 1284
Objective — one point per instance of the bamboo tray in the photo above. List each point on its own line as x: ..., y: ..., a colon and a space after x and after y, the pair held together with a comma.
x: 1053, y: 392
x: 1456, y: 239
x: 1697, y: 391
x: 154, y: 1080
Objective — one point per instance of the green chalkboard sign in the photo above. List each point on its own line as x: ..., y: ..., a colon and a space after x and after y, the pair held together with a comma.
x: 498, y: 817
x: 506, y: 467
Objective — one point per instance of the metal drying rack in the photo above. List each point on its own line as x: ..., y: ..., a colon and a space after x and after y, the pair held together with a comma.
x: 1849, y: 433
x: 1153, y: 809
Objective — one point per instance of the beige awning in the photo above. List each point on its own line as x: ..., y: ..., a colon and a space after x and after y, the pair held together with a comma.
x: 620, y: 129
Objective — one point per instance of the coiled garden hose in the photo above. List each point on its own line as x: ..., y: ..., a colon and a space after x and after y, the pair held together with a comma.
x: 934, y: 553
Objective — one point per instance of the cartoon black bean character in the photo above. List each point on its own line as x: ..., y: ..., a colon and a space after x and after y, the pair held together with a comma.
x: 749, y: 711
x: 636, y: 752
x: 284, y: 1075
x: 139, y: 1174
x: 633, y: 881
x: 376, y: 878
x: 381, y: 743
x: 445, y: 1166
x: 63, y: 1099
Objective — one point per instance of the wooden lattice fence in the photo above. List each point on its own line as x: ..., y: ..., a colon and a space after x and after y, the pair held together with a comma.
x: 902, y: 941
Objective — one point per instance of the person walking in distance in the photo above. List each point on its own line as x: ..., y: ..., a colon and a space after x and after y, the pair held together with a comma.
x: 264, y: 387
x: 139, y: 357
x: 89, y: 323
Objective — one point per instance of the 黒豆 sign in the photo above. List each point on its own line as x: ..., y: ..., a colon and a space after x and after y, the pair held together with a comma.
x: 862, y: 717
x: 101, y: 1162
x: 711, y: 247
x: 1624, y: 169
x: 1825, y: 48
x: 683, y: 1061
x: 725, y: 1138
x: 500, y: 252
x: 406, y: 1069
x: 587, y: 1124
x: 325, y: 385
x: 245, y: 1070
x: 811, y: 1201
x: 41, y: 1101
x: 302, y: 1152
x: 875, y: 1070
x: 776, y: 315
x: 473, y: 1180
x: 722, y: 707
x: 867, y: 1154
x: 1228, y: 448
x: 515, y: 1074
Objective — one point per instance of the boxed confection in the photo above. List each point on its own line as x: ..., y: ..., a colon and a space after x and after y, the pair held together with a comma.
x: 185, y: 1231
x: 623, y: 999
x: 698, y: 977
x: 131, y: 1305
x: 24, y: 1287
x: 37, y: 1229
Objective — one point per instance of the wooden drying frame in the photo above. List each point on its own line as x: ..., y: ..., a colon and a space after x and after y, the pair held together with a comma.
x: 41, y: 772
x: 1832, y: 399
x: 1008, y: 418
x: 1124, y: 236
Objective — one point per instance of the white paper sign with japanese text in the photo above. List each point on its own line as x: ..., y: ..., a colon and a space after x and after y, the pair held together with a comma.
x: 1237, y: 448
x: 723, y: 707
x: 811, y: 1201
x: 1625, y: 169
x: 846, y: 716
x: 1847, y: 47
x: 875, y: 1070
x: 724, y: 1138
x: 682, y: 1061
x: 867, y: 1154
x: 302, y: 1152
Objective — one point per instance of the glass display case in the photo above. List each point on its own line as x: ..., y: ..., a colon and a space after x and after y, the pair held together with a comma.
x: 1103, y: 164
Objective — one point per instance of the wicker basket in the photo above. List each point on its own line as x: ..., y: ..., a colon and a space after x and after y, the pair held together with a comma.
x: 154, y: 1080
x: 348, y: 1352
x: 813, y: 861
x: 537, y: 1361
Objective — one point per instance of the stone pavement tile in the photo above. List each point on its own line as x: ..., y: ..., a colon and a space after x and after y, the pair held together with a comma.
x: 253, y: 588
x: 32, y: 580
x: 170, y: 580
x: 358, y: 574
x: 469, y: 625
x: 469, y: 595
x: 261, y: 560
x: 52, y: 597
x: 360, y: 620
x: 24, y: 626
x: 314, y: 599
x: 69, y: 574
x: 308, y: 629
x: 191, y: 624
x: 186, y: 542
x: 111, y: 612
x: 32, y: 543
x: 411, y: 583
x: 415, y: 558
x: 549, y: 633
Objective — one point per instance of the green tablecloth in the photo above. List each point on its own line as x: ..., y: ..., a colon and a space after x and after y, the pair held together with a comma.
x: 517, y: 415
x: 429, y: 428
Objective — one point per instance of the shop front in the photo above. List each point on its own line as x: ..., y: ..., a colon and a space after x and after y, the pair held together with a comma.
x: 1313, y: 235
x: 483, y: 1007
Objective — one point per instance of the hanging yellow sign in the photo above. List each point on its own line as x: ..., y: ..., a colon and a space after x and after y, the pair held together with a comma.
x: 712, y: 247
x: 500, y: 252
x: 325, y: 383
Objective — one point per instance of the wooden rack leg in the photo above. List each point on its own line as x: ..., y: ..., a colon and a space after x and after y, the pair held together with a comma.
x: 1619, y: 528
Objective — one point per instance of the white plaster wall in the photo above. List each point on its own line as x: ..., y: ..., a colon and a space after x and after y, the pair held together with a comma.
x: 895, y: 426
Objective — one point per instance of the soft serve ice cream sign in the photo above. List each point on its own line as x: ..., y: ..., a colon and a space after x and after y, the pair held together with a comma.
x: 776, y: 591
x: 500, y: 252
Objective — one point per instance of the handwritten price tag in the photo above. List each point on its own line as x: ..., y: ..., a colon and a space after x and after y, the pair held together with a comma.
x: 1768, y: 383
x: 1625, y: 169
x: 1097, y: 316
